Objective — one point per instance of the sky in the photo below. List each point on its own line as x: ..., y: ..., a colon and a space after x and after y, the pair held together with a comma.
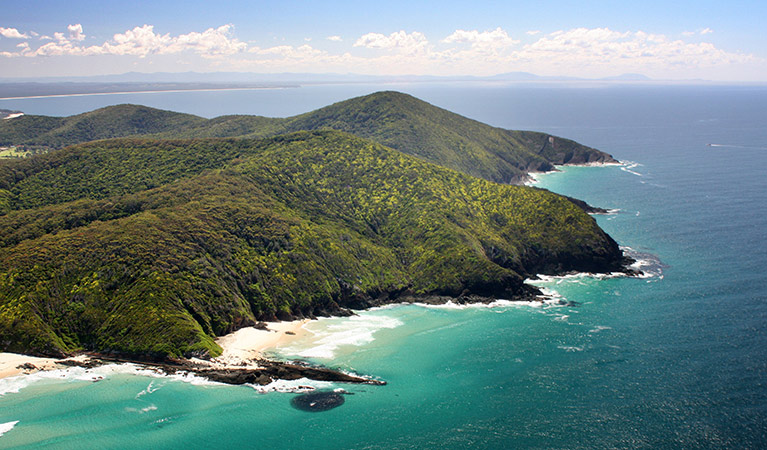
x: 681, y: 40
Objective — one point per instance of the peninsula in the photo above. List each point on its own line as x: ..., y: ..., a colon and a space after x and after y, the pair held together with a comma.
x: 146, y: 234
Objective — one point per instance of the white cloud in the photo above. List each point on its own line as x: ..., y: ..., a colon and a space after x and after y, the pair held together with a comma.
x: 76, y: 32
x: 12, y: 33
x: 577, y: 52
x: 706, y: 31
x: 604, y: 50
x: 584, y: 52
x: 688, y: 33
x: 400, y: 41
x: 497, y: 38
x: 211, y: 42
x: 305, y: 51
x: 143, y: 41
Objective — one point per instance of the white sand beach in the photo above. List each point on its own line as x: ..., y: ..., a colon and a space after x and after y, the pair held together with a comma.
x: 11, y: 364
x: 245, y: 345
x: 241, y: 349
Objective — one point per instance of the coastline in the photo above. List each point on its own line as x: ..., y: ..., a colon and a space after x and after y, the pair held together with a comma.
x: 15, y: 364
x: 532, y: 177
x: 242, y: 350
x: 242, y: 363
x: 158, y: 91
x: 246, y: 346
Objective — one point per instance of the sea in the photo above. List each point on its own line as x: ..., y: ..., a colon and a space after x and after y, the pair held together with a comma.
x: 674, y: 359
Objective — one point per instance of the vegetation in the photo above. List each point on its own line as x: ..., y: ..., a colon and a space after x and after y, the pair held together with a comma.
x: 104, y: 123
x: 152, y: 248
x: 394, y: 119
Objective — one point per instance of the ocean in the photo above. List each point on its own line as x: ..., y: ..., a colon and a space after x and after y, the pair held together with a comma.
x: 676, y: 359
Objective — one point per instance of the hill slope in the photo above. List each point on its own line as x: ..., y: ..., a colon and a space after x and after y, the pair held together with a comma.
x: 103, y: 123
x: 397, y: 120
x: 165, y: 245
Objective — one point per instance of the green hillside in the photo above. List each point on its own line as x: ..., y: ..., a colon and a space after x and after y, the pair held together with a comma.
x: 153, y: 248
x: 104, y: 123
x: 397, y: 120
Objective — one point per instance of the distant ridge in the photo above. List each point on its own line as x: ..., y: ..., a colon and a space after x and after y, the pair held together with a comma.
x: 298, y: 77
x: 398, y: 120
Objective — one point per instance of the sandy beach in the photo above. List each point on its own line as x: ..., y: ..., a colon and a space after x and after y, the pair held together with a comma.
x: 12, y: 364
x: 242, y: 349
x: 245, y: 345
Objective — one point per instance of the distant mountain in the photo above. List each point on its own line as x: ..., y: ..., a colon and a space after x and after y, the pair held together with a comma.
x: 292, y: 78
x: 628, y: 77
x: 152, y: 248
x: 397, y: 120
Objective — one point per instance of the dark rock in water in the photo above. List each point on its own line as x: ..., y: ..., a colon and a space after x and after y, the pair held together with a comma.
x: 317, y: 401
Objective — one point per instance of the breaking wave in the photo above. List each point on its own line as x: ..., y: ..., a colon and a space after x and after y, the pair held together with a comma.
x: 7, y: 426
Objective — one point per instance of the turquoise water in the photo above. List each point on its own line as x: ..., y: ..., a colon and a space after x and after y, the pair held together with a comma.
x: 677, y: 360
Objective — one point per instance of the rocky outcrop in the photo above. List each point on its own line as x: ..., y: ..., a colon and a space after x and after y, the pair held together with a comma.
x: 262, y: 373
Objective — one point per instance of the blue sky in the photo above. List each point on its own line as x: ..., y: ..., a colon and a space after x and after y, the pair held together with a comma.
x: 666, y: 40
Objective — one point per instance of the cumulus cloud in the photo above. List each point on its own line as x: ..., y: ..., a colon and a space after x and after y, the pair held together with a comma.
x: 141, y: 41
x: 497, y: 38
x: 578, y: 52
x: 76, y: 32
x: 12, y: 33
x: 400, y: 41
x: 305, y: 51
x: 602, y: 48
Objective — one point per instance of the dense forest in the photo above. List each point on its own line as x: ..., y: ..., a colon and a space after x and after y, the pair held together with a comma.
x: 397, y: 120
x: 153, y: 247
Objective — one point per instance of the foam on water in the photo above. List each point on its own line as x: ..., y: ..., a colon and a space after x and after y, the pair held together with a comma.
x: 599, y: 328
x: 570, y: 348
x: 496, y: 304
x: 333, y: 333
x: 292, y: 386
x: 7, y: 426
x: 628, y: 166
x: 77, y: 374
x: 149, y: 389
x: 146, y: 409
x: 648, y: 264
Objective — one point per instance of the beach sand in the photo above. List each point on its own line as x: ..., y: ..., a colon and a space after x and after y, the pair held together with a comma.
x: 10, y: 362
x: 248, y: 344
x: 242, y: 349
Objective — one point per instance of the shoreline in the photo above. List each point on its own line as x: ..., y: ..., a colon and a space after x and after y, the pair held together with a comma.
x: 241, y: 363
x: 531, y: 178
x: 244, y: 361
x: 247, y: 345
x: 158, y: 91
x: 15, y: 364
x: 242, y: 349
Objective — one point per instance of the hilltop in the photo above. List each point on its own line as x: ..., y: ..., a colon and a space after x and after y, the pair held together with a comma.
x: 397, y: 120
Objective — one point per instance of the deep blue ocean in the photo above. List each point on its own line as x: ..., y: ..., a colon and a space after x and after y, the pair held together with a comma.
x: 677, y: 359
